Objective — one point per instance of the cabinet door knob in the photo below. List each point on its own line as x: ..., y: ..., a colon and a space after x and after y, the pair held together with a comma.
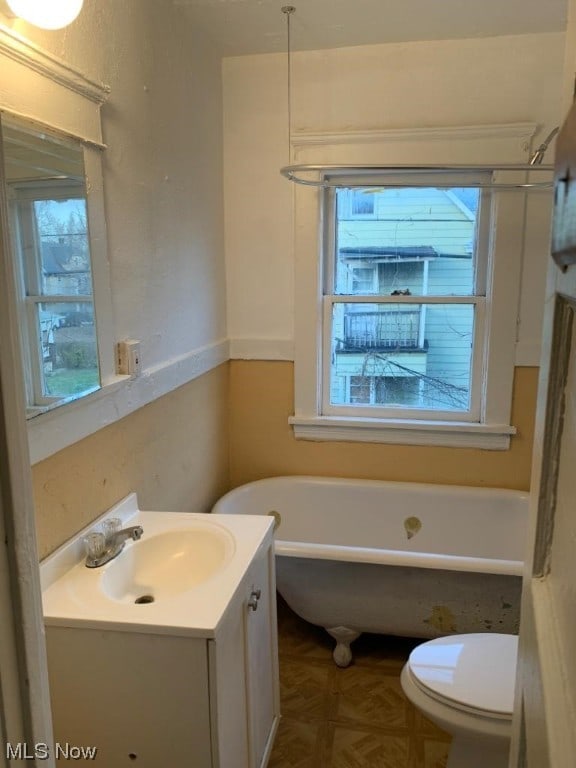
x: 255, y: 595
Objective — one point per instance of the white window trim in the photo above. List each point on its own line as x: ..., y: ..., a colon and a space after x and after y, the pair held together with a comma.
x: 448, y: 434
x: 493, y: 430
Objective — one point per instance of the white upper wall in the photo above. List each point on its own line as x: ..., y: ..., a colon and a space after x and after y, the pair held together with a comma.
x: 162, y: 169
x: 404, y: 85
x: 163, y: 194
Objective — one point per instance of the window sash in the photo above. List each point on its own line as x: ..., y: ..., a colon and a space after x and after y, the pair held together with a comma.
x: 472, y: 414
x: 28, y: 265
x: 483, y: 235
x: 477, y: 298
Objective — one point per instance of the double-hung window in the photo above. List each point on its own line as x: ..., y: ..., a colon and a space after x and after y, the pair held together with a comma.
x: 414, y: 339
x: 410, y: 339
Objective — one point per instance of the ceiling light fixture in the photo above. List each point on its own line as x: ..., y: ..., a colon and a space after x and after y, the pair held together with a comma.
x: 46, y: 14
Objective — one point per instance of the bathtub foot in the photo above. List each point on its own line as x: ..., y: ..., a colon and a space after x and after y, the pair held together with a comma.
x: 342, y: 654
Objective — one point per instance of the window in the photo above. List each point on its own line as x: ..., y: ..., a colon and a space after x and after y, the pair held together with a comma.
x: 384, y: 390
x: 363, y: 279
x: 362, y: 202
x: 54, y: 262
x: 357, y: 204
x: 405, y: 307
x: 410, y: 319
x: 48, y: 216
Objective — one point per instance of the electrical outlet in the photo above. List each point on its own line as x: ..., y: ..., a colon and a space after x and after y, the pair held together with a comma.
x: 128, y: 357
x: 135, y: 367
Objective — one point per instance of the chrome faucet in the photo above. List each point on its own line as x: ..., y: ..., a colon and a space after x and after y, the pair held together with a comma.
x: 103, y: 547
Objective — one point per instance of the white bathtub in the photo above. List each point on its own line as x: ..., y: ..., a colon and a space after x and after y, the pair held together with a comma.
x: 405, y: 559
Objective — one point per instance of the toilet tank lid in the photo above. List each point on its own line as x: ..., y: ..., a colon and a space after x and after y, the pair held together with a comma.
x: 475, y: 670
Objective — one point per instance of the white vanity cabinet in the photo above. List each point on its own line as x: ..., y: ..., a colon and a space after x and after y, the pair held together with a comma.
x: 151, y: 697
x: 243, y: 666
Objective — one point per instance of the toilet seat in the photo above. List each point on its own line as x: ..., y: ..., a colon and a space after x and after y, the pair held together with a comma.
x: 473, y: 673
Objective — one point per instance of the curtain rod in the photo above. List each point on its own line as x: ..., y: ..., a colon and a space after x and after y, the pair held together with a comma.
x: 294, y: 173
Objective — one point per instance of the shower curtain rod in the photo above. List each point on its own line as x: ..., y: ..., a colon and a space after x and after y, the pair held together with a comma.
x: 294, y: 173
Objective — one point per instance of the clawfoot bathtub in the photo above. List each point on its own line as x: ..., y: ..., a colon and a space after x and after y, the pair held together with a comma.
x: 403, y: 559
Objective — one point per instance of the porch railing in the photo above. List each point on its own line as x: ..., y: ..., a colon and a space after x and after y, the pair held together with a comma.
x: 389, y: 329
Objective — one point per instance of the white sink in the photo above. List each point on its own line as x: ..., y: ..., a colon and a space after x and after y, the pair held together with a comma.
x: 177, y: 579
x: 166, y: 564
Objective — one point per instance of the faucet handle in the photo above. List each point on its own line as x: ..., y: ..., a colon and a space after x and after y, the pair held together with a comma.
x: 95, y: 543
x: 111, y: 526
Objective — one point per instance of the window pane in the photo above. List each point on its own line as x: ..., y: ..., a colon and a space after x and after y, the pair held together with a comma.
x: 402, y: 355
x: 64, y: 251
x: 69, y: 351
x: 418, y: 241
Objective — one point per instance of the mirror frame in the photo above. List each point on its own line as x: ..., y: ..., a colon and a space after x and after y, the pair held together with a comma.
x: 100, y: 278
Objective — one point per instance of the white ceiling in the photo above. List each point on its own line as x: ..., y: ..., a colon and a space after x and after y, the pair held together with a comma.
x: 239, y: 27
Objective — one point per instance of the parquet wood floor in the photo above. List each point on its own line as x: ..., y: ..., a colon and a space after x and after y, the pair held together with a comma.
x: 348, y: 718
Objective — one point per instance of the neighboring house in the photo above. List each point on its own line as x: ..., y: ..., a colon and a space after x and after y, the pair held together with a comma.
x: 66, y: 267
x: 405, y: 242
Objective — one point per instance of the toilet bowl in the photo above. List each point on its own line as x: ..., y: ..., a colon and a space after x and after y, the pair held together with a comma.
x: 465, y: 684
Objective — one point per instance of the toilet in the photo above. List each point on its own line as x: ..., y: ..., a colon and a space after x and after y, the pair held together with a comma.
x: 465, y: 684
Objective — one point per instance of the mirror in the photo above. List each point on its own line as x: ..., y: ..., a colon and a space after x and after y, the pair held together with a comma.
x: 46, y: 190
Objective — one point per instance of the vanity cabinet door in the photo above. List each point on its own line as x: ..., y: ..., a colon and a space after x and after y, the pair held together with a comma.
x: 139, y: 699
x: 261, y: 657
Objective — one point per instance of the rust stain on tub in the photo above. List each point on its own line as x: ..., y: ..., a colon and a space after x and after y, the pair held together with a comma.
x: 412, y: 526
x: 441, y: 619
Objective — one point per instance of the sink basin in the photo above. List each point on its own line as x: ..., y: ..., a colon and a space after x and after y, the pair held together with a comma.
x: 166, y: 564
x: 177, y: 579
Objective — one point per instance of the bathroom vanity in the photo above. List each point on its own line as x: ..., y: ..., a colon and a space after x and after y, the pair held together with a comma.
x: 156, y: 663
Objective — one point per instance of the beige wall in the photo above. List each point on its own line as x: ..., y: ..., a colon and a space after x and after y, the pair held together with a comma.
x: 262, y: 443
x: 229, y: 427
x: 173, y: 453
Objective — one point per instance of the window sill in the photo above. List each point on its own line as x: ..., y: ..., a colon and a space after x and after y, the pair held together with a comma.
x: 59, y: 428
x: 450, y: 434
x: 34, y: 412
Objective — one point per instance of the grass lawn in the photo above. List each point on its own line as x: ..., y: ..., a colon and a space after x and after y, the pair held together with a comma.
x: 71, y: 381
